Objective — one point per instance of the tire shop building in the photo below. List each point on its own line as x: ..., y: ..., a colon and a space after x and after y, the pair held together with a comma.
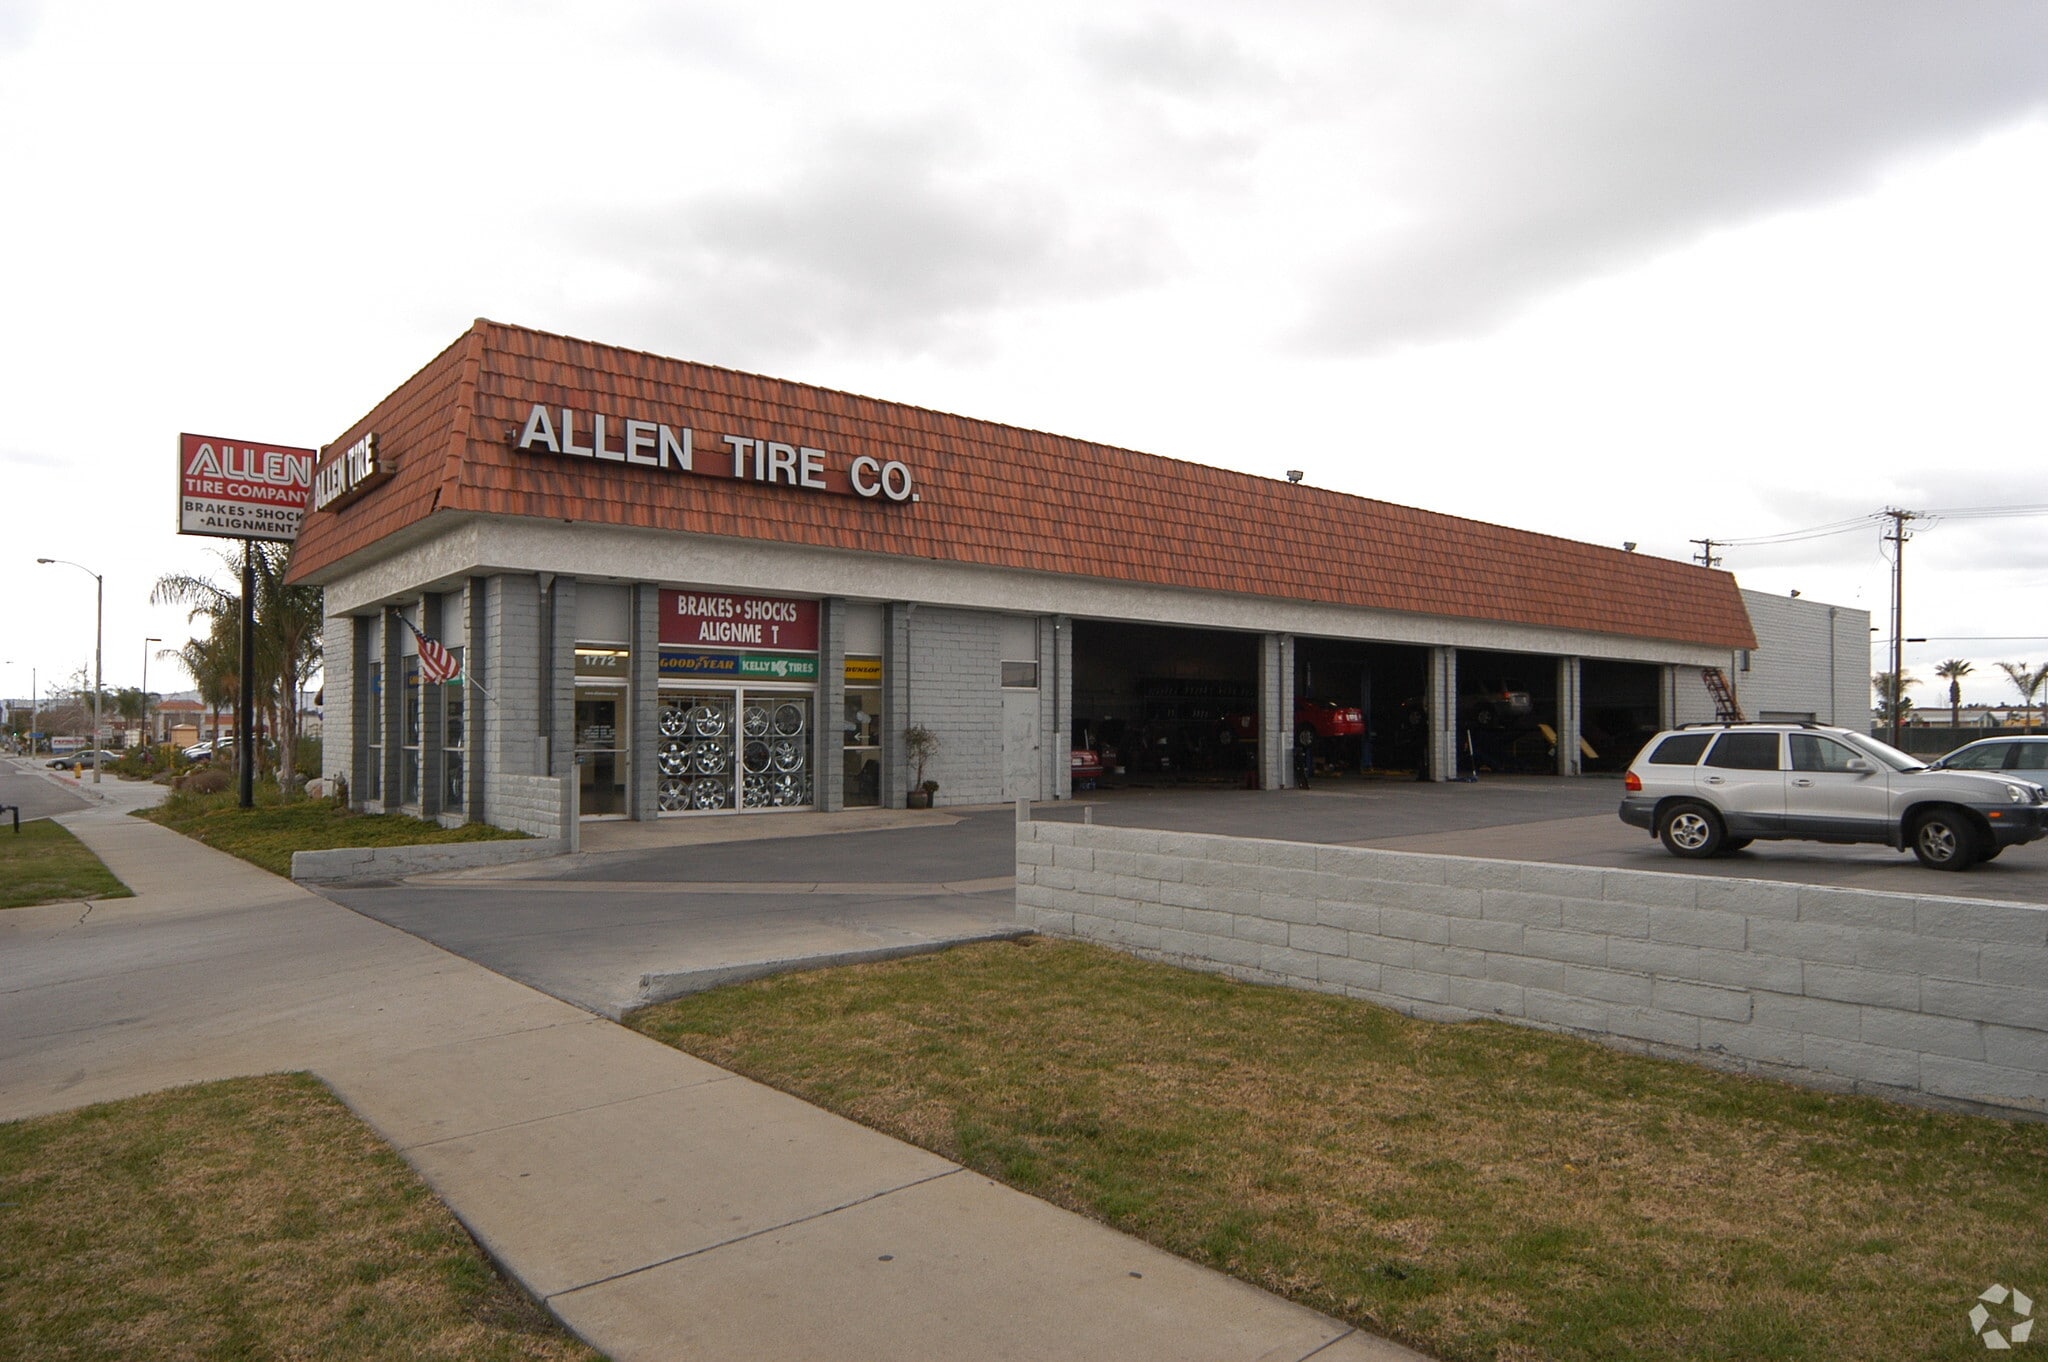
x: 672, y: 588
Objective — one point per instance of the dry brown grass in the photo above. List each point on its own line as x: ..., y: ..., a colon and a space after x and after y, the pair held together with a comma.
x: 252, y: 1218
x: 1482, y: 1191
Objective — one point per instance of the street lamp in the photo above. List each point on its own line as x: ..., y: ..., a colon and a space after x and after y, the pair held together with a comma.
x: 148, y: 736
x: 98, y: 633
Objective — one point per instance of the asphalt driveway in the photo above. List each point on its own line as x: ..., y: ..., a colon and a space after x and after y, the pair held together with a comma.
x: 611, y: 931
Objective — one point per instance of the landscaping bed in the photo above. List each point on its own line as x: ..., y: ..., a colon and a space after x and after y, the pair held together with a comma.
x: 269, y: 833
x: 1477, y: 1190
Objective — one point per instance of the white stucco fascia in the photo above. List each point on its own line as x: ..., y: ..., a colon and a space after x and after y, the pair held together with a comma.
x: 439, y: 552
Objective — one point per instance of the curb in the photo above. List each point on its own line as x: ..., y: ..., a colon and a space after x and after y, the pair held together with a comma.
x: 662, y: 988
x: 343, y: 865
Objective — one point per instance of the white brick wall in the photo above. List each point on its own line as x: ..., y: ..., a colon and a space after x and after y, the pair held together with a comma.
x: 1892, y: 993
x: 337, y: 719
x: 1810, y: 658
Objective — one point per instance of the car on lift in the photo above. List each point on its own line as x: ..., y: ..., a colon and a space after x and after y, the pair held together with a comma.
x: 1493, y: 704
x: 1328, y: 719
x: 1705, y: 789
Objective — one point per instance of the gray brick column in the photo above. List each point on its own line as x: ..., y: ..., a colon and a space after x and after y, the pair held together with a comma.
x: 1276, y: 711
x: 643, y: 796
x: 1056, y: 705
x: 1570, y: 721
x: 476, y: 712
x: 394, y: 708
x: 896, y: 702
x: 828, y: 760
x: 1443, y: 714
x: 508, y: 735
x: 433, y: 742
x: 559, y: 721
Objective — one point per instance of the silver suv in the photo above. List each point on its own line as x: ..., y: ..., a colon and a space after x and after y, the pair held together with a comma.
x: 1709, y: 788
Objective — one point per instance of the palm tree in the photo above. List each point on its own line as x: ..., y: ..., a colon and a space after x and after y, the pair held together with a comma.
x: 214, y: 663
x: 1891, y: 694
x: 2028, y: 683
x: 1953, y: 671
x: 286, y: 640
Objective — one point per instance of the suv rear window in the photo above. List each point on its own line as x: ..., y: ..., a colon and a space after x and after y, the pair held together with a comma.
x: 1680, y: 749
x: 1746, y: 752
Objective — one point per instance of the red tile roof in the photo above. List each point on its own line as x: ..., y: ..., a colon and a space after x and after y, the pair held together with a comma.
x: 989, y: 495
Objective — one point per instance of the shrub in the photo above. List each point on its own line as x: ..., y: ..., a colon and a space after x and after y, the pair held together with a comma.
x: 205, y: 780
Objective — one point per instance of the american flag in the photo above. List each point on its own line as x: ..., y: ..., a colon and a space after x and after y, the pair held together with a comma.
x: 437, y: 664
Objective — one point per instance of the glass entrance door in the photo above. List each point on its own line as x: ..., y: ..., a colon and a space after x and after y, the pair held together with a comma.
x: 602, y: 755
x: 733, y: 749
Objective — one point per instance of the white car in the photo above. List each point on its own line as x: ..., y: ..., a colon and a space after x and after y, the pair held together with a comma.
x: 1712, y: 788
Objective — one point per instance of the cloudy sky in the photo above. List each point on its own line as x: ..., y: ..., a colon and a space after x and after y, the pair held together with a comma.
x: 1618, y: 270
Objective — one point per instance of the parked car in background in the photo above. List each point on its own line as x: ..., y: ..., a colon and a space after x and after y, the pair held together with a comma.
x: 1711, y: 788
x: 82, y: 760
x: 2027, y: 754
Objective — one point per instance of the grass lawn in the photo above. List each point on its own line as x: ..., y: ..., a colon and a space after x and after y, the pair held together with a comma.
x: 268, y: 834
x: 247, y: 1219
x: 46, y: 864
x: 1477, y: 1190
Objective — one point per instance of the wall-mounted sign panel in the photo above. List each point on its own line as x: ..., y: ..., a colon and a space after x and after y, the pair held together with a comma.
x: 676, y: 663
x: 242, y: 489
x: 697, y: 619
x: 672, y: 447
x: 355, y: 471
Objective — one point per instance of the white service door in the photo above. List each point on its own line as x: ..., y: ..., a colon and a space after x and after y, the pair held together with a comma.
x: 1020, y: 745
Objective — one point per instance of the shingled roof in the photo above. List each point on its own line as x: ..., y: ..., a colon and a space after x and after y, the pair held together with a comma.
x: 989, y: 495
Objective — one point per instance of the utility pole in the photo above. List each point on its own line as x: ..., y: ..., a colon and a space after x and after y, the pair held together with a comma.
x: 1705, y: 557
x: 1897, y: 539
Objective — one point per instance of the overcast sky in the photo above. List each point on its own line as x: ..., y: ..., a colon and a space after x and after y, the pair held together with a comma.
x: 1620, y: 271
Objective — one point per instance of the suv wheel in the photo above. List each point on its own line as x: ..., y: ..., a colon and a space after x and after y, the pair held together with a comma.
x: 1690, y: 830
x: 1945, y: 840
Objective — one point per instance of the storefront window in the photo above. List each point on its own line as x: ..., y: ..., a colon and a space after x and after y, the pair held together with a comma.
x: 373, y: 778
x: 861, y: 734
x: 724, y: 749
x: 452, y: 695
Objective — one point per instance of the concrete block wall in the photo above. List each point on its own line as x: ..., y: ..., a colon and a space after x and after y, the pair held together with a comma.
x: 1810, y: 657
x: 537, y: 805
x: 955, y: 688
x: 1893, y: 993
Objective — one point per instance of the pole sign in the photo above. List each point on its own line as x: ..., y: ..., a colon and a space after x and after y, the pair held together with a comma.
x: 242, y: 489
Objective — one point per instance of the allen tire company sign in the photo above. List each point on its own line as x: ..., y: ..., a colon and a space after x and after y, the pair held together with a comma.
x: 242, y: 489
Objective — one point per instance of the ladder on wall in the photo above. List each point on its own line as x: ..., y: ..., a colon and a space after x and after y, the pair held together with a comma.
x: 1725, y: 708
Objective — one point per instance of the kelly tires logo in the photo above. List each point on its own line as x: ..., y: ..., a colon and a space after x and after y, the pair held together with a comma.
x: 2002, y: 1317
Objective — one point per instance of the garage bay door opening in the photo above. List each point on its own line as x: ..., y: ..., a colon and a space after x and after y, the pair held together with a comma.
x: 1160, y: 706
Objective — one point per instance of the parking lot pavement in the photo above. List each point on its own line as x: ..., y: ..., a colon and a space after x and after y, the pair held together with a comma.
x: 2019, y: 875
x: 29, y: 786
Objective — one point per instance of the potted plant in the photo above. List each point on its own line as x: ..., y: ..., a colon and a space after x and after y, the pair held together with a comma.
x: 920, y: 744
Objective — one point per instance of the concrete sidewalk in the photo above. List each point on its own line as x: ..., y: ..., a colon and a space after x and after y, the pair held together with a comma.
x: 660, y: 1206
